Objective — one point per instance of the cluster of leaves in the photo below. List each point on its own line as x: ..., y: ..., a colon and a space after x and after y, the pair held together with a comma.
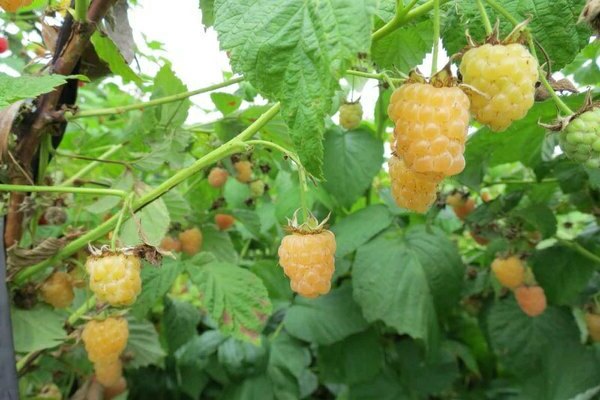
x: 414, y: 311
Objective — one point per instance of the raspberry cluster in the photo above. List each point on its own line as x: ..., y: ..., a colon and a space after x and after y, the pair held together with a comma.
x: 104, y: 342
x: 308, y: 259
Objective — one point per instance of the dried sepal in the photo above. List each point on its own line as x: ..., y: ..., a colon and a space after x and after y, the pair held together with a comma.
x: 309, y: 227
x: 561, y: 122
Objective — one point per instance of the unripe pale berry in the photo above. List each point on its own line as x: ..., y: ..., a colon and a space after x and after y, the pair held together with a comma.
x: 581, y: 139
x: 115, y: 278
x: 350, y: 115
x: 309, y: 261
x: 244, y: 171
x: 504, y: 77
x: 510, y: 271
x: 191, y: 241
x: 57, y: 290
x: 531, y: 299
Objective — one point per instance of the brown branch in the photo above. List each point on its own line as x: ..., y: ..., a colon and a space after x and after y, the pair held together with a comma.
x: 44, y: 119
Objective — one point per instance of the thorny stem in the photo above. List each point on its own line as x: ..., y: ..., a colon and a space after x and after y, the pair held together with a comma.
x: 126, y: 207
x: 502, y: 11
x: 301, y: 171
x: 89, y: 167
x: 61, y: 189
x: 436, y: 36
x: 152, y: 103
x: 403, y: 15
x: 85, y: 307
x: 484, y: 17
x: 234, y: 145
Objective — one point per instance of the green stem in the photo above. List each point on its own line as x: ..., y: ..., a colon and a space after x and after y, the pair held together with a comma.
x: 381, y: 77
x: 436, y: 36
x: 501, y: 10
x: 484, y: 17
x: 234, y: 145
x: 580, y: 249
x: 89, y: 167
x: 81, y: 8
x: 126, y: 207
x: 44, y: 158
x: 301, y: 171
x: 156, y: 102
x: 61, y: 189
x: 403, y: 16
x: 85, y: 307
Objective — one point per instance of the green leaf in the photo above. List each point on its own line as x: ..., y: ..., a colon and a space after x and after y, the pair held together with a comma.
x: 521, y: 341
x: 255, y: 387
x: 386, y: 386
x: 236, y: 193
x: 327, y: 319
x: 295, y: 52
x: 179, y: 323
x: 522, y: 142
x: 585, y: 72
x: 177, y: 206
x: 541, y: 217
x: 408, y: 281
x: 108, y: 52
x: 359, y: 227
x: 566, y: 371
x: 226, y: 103
x: 552, y: 22
x: 234, y: 297
x: 351, y: 161
x: 13, y: 89
x: 357, y: 358
x: 273, y: 278
x: 208, y: 12
x: 219, y: 244
x: 174, y: 114
x: 405, y: 48
x: 149, y: 225
x: 562, y: 272
x: 143, y: 344
x: 289, y: 360
x: 37, y: 329
x: 156, y: 281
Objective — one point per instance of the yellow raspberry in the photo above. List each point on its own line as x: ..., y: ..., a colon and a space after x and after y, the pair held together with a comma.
x: 350, y: 115
x: 14, y: 5
x: 531, y: 300
x: 505, y: 75
x: 191, y: 241
x: 510, y: 271
x: 115, y: 278
x: 243, y: 170
x: 108, y: 373
x: 105, y: 340
x: 412, y: 190
x: 309, y: 261
x: 431, y: 127
x: 57, y: 290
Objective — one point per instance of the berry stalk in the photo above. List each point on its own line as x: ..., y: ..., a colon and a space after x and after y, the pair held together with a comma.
x: 88, y: 168
x: 233, y: 146
x: 124, y: 209
x: 436, y: 36
x: 61, y: 189
x: 484, y: 18
x: 85, y: 307
x: 81, y: 7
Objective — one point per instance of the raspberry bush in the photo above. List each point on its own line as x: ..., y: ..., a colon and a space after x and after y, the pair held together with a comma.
x: 275, y: 238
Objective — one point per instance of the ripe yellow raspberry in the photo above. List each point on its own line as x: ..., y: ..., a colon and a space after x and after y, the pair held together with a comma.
x: 308, y: 260
x: 115, y: 278
x: 57, y: 290
x: 505, y: 76
x: 431, y: 127
x: 109, y: 373
x: 244, y: 171
x: 531, y: 299
x: 510, y: 271
x: 191, y: 241
x: 412, y: 190
x: 217, y: 177
x: 170, y: 243
x: 350, y: 115
x: 105, y: 340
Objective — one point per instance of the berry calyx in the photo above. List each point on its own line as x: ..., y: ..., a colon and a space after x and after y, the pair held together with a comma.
x: 307, y: 256
x: 431, y: 123
x: 3, y: 44
x: 115, y: 277
x: 509, y: 271
x: 580, y: 139
x: 217, y: 177
x: 105, y: 340
x: 243, y: 171
x: 191, y: 241
x: 57, y: 290
x: 593, y: 326
x: 350, y: 115
x: 531, y: 300
x: 170, y: 243
x: 224, y: 221
x: 501, y: 76
x: 412, y: 190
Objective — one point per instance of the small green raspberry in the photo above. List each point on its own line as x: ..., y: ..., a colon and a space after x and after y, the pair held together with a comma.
x: 350, y: 115
x: 581, y: 139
